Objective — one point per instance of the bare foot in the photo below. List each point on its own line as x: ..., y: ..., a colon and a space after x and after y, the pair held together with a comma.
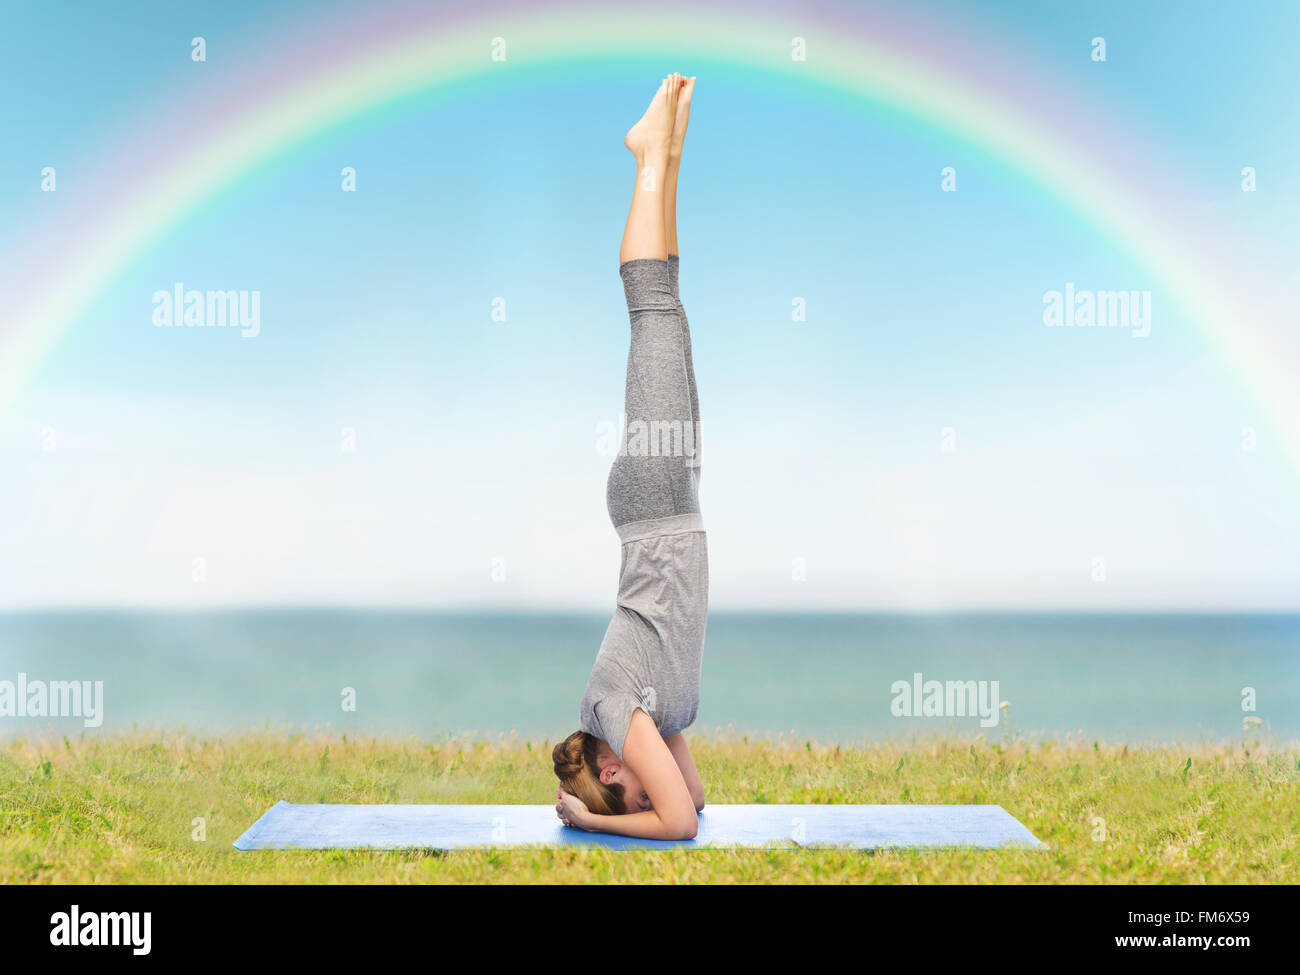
x: 683, y: 117
x: 653, y: 133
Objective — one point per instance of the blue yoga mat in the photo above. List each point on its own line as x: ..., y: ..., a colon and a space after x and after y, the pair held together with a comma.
x: 287, y: 826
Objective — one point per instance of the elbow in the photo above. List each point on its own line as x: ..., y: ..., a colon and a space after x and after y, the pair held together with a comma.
x: 684, y: 829
x: 699, y: 804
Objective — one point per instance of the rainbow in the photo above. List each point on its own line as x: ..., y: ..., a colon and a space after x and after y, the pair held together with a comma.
x: 942, y: 80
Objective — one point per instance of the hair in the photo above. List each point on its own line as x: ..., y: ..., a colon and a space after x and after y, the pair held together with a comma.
x: 578, y: 768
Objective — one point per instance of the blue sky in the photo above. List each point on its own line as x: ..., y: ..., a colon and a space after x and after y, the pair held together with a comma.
x: 476, y: 440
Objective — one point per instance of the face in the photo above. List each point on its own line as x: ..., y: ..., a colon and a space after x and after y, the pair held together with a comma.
x: 613, y: 771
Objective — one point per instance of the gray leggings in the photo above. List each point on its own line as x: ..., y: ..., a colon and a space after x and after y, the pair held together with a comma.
x: 656, y: 474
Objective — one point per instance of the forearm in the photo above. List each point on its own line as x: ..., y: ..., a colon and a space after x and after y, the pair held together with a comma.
x: 642, y: 825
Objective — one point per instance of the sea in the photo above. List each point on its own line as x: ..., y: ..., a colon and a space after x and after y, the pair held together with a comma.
x: 821, y: 677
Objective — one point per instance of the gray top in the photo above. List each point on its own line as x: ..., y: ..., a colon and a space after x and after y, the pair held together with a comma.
x: 650, y: 657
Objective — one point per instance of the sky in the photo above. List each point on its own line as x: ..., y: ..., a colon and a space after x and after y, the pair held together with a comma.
x: 922, y: 440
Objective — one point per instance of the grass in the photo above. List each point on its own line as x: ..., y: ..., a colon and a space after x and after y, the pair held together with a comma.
x: 123, y: 809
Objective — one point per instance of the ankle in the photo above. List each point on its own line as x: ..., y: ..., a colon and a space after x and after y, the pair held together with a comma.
x: 653, y: 157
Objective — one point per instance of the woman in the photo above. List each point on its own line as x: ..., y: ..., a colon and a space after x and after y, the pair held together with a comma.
x: 628, y: 769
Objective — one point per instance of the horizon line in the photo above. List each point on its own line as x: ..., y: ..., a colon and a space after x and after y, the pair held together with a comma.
x: 481, y: 609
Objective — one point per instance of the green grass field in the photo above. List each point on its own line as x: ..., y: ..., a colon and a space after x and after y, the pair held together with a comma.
x: 122, y: 809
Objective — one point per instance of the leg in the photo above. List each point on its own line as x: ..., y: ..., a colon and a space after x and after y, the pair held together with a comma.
x: 652, y: 477
x: 673, y: 262
x: 670, y: 233
x: 649, y: 140
x: 680, y: 121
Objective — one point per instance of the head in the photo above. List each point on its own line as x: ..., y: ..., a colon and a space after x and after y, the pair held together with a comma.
x: 588, y: 768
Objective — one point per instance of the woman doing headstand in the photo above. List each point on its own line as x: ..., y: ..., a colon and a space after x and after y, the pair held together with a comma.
x: 628, y: 769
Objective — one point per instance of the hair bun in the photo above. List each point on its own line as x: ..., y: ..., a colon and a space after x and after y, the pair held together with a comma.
x: 567, y: 756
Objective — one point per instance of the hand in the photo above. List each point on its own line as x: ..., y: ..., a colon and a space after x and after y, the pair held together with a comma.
x: 571, y: 810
